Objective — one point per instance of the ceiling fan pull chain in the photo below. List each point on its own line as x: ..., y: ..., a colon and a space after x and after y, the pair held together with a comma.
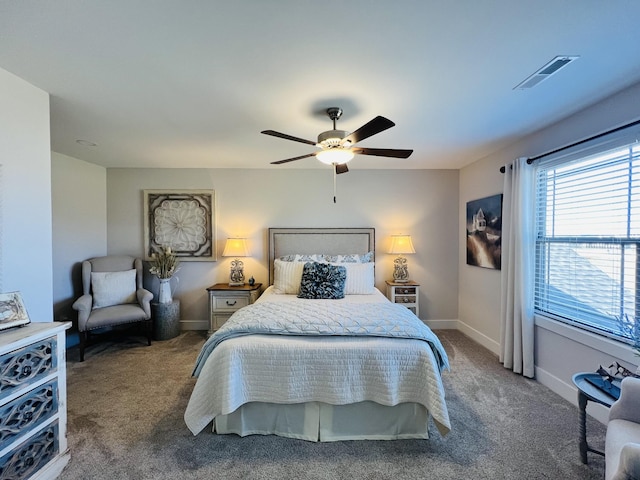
x: 334, y: 183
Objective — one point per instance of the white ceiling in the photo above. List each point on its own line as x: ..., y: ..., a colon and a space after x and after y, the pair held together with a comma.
x: 168, y: 83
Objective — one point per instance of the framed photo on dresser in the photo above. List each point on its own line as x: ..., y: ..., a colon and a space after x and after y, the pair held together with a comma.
x: 12, y: 310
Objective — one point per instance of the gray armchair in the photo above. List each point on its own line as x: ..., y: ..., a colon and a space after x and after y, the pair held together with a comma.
x: 622, y: 444
x: 112, y: 295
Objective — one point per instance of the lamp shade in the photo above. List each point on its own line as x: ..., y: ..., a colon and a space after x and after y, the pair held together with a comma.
x: 235, y: 247
x: 401, y: 244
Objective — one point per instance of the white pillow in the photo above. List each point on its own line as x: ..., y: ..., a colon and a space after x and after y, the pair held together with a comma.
x: 113, y: 288
x: 360, y: 279
x: 287, y: 276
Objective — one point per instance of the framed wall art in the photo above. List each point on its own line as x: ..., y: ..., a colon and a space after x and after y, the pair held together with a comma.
x: 183, y: 220
x: 12, y: 311
x: 484, y: 232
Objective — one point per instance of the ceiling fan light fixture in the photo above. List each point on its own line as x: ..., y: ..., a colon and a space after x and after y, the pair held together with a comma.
x: 335, y: 156
x: 331, y: 138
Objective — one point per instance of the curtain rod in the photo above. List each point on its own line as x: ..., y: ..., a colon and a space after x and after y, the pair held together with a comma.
x: 530, y: 160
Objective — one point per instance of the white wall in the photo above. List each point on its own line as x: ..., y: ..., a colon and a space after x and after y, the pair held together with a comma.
x: 423, y: 203
x: 25, y: 195
x: 560, y: 350
x: 79, y: 205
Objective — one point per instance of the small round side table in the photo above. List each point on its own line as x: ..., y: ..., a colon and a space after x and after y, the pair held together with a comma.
x: 166, y: 320
x: 589, y: 392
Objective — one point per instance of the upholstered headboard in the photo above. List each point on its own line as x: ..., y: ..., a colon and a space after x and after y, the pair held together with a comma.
x: 331, y: 241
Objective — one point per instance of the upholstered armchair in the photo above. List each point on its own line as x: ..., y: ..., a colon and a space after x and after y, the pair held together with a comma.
x: 112, y: 295
x: 622, y: 444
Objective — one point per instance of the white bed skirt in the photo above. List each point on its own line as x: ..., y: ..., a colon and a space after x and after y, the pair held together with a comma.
x: 321, y: 422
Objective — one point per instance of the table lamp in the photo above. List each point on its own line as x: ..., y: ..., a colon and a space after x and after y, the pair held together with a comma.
x: 401, y: 245
x: 236, y: 247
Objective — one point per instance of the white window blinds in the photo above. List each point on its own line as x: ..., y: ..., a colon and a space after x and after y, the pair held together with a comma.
x: 588, y: 238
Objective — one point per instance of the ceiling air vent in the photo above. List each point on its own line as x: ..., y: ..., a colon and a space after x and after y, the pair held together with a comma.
x: 545, y: 72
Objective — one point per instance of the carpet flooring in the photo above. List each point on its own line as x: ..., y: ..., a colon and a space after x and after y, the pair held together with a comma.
x: 125, y: 421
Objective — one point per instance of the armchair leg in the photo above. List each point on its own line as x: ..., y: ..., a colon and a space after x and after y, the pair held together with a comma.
x: 149, y: 329
x: 83, y: 343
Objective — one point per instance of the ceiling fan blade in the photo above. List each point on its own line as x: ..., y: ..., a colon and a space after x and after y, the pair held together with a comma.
x: 377, y: 125
x: 287, y: 137
x: 278, y: 162
x: 383, y: 152
x: 341, y: 168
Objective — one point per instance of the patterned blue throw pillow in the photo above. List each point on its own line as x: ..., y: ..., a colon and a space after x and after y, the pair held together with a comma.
x: 322, y: 280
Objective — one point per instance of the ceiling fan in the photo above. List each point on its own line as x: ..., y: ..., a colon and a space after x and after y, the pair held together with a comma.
x: 336, y: 146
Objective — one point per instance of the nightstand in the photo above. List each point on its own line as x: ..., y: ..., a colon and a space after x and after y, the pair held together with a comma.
x: 224, y: 300
x: 405, y: 293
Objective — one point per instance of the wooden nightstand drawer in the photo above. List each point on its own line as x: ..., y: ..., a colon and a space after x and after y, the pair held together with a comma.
x: 405, y: 290
x: 405, y: 299
x: 230, y: 303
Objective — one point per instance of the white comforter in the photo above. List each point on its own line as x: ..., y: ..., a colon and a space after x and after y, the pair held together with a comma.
x: 335, y: 370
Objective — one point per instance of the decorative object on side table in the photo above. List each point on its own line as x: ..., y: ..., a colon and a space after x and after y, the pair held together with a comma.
x: 401, y: 245
x: 164, y: 264
x: 12, y: 310
x: 630, y: 328
x: 236, y: 247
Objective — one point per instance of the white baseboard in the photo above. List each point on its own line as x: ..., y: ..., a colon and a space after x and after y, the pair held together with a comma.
x: 442, y: 324
x: 194, y: 325
x: 480, y: 338
x: 569, y: 392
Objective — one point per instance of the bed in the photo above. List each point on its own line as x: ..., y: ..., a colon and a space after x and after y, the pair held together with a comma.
x: 351, y: 368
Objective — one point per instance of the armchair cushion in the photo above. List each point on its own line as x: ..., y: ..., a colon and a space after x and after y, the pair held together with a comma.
x: 629, y: 467
x: 622, y: 444
x: 104, y: 317
x: 113, y: 288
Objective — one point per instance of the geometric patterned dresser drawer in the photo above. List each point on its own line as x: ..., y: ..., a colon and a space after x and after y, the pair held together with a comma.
x: 27, y: 411
x: 30, y: 456
x: 26, y: 365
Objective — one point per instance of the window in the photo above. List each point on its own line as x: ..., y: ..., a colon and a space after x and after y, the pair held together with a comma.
x: 588, y: 238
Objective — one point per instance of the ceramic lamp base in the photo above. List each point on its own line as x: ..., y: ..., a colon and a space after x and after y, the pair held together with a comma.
x: 236, y: 276
x: 400, y: 270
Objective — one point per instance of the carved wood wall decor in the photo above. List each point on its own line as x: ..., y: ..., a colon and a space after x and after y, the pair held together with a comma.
x: 181, y: 219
